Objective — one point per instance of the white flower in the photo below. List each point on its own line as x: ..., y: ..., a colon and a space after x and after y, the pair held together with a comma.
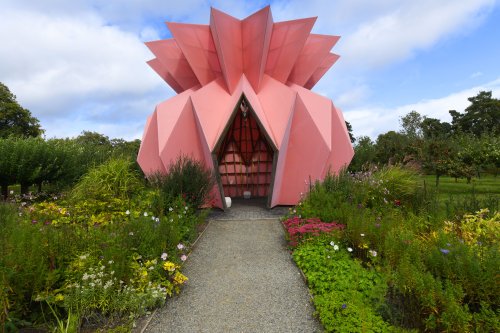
x: 151, y: 268
x: 183, y: 257
x: 127, y: 212
x: 157, y: 219
x: 336, y: 247
x: 111, y: 262
x: 180, y: 246
x: 85, y: 277
x: 153, y: 218
x: 131, y: 233
x: 362, y: 235
x: 164, y: 256
x: 83, y: 257
x: 349, y: 249
x: 373, y: 253
x: 332, y: 243
x: 170, y: 209
x: 145, y: 214
x: 186, y: 208
x: 11, y: 192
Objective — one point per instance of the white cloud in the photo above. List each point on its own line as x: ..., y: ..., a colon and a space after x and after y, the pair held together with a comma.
x: 372, y: 121
x: 68, y: 67
x: 409, y: 27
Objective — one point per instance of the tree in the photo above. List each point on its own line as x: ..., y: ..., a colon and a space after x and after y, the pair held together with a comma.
x: 93, y: 138
x: 391, y: 147
x: 14, y: 119
x: 364, y: 154
x: 349, y: 130
x: 412, y: 125
x: 433, y: 128
x: 482, y: 116
x: 437, y: 156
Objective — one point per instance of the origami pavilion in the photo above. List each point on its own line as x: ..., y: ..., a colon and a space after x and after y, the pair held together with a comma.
x: 244, y: 106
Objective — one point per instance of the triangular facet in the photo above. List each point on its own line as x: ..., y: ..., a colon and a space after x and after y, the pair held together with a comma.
x: 256, y: 38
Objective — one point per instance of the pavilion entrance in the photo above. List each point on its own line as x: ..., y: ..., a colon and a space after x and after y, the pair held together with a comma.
x: 245, y: 156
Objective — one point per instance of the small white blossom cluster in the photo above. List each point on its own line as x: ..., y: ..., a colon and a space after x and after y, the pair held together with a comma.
x: 336, y: 246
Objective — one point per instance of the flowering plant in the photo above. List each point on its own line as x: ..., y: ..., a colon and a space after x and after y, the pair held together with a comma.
x: 299, y: 229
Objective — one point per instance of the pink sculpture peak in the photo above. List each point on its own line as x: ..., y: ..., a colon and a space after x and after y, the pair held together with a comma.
x: 245, y: 108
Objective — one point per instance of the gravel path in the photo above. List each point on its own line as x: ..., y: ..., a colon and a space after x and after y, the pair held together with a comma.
x: 241, y: 279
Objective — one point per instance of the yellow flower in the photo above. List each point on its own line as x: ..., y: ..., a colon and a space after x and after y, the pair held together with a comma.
x: 59, y: 297
x: 169, y: 266
x: 179, y: 278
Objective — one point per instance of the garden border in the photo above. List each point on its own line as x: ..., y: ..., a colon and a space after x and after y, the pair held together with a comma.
x: 150, y: 317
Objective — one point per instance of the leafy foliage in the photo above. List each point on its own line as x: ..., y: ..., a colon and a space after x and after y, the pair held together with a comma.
x: 187, y: 178
x: 436, y: 275
x: 346, y: 295
x: 14, y: 119
x: 102, y: 257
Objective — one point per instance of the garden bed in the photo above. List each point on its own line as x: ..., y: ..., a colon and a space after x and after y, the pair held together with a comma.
x: 401, y: 263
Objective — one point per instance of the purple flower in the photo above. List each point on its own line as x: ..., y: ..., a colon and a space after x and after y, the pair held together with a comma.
x: 377, y: 225
x: 34, y: 221
x: 445, y: 251
x: 344, y: 306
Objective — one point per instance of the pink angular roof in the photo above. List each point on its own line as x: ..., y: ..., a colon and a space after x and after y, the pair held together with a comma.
x: 247, y: 80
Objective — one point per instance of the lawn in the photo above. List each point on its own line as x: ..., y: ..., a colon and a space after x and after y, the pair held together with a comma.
x: 459, y: 196
x: 485, y: 185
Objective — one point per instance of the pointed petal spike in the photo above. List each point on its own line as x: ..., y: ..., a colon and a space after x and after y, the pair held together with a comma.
x: 312, y: 55
x: 287, y: 40
x: 321, y: 70
x: 256, y: 37
x: 162, y: 71
x: 196, y: 43
x: 226, y: 33
x: 172, y: 58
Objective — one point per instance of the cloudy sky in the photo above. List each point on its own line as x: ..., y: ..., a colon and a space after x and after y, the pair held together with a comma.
x: 81, y: 64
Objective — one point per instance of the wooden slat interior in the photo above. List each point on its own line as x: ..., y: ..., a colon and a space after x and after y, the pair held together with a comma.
x: 245, y: 158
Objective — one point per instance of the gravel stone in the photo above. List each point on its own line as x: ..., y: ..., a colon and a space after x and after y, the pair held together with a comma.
x: 241, y: 279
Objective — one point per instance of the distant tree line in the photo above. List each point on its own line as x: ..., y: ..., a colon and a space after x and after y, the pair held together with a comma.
x: 28, y: 159
x: 464, y: 148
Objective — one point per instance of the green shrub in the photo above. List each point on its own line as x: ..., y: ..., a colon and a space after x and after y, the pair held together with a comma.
x: 187, y: 178
x: 112, y: 179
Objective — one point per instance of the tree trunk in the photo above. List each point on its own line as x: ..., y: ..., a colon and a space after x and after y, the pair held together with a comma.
x: 437, y: 179
x: 24, y: 188
x: 39, y: 187
x: 5, y: 192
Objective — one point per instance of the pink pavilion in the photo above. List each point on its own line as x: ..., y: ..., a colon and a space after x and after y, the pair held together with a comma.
x: 244, y: 106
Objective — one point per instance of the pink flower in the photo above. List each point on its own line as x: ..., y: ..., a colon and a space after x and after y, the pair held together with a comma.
x: 183, y: 257
x: 180, y: 246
